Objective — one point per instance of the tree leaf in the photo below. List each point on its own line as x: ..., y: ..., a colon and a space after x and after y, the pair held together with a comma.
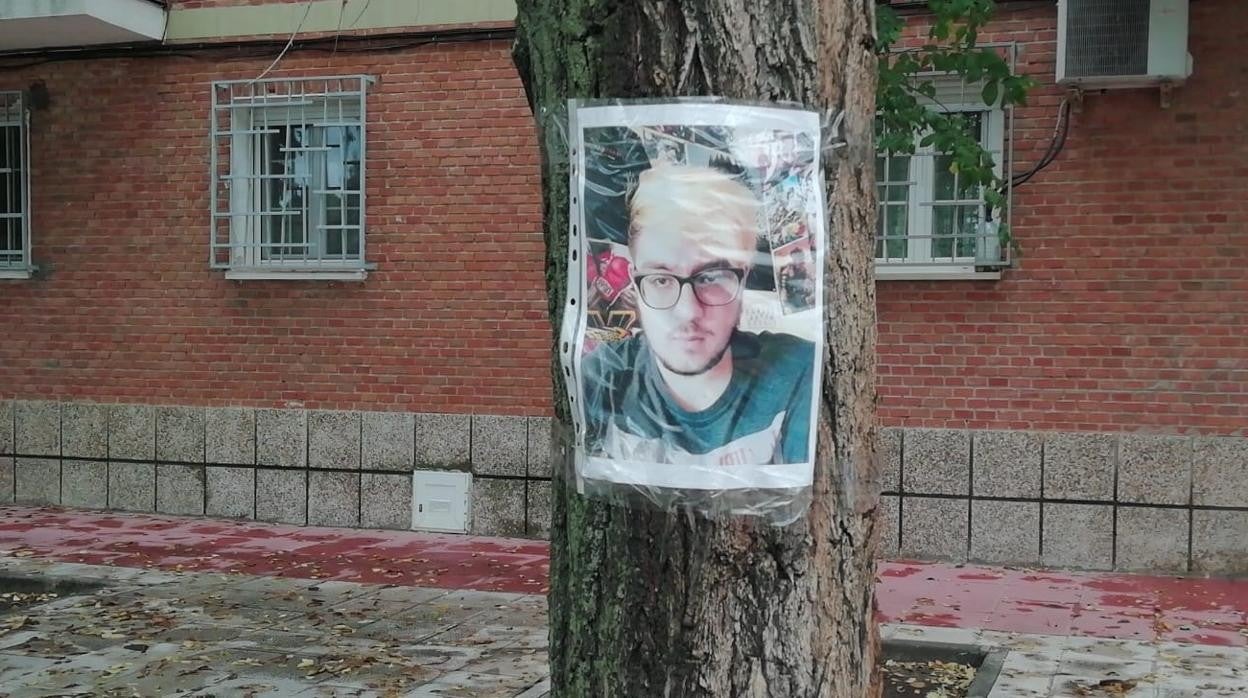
x: 990, y: 92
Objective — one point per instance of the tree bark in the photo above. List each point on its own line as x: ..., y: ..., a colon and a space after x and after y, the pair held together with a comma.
x: 644, y: 604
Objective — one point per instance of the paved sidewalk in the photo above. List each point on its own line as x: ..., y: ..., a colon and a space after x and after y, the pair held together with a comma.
x: 1132, y: 607
x: 1082, y: 604
x: 346, y: 554
x: 1064, y: 666
x: 203, y: 607
x: 156, y: 633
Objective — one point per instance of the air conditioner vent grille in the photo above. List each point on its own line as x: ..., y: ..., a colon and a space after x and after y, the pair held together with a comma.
x: 1107, y: 37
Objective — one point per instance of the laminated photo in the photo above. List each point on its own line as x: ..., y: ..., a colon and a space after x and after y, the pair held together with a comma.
x: 693, y: 335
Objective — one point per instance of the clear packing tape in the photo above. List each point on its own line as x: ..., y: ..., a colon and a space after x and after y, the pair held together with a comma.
x: 692, y: 340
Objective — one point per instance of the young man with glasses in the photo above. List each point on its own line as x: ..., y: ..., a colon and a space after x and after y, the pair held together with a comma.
x: 691, y: 388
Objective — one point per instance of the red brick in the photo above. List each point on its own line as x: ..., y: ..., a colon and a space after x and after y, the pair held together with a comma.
x: 1134, y: 270
x: 1128, y: 309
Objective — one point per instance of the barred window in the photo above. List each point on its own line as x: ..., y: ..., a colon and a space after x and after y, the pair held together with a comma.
x: 288, y: 163
x: 930, y: 222
x: 15, y: 260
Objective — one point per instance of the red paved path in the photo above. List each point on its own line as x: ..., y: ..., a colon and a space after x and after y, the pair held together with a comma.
x: 1205, y: 611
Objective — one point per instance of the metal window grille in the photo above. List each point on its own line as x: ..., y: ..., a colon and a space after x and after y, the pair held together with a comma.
x: 14, y: 184
x: 926, y: 214
x: 288, y: 163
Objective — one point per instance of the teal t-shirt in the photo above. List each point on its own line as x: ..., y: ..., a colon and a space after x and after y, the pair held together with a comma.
x: 762, y: 418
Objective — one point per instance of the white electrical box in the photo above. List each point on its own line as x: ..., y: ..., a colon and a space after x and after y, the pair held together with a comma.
x: 440, y: 500
x: 1107, y: 44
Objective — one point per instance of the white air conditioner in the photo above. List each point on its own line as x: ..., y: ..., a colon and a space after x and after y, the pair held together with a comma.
x: 1106, y: 44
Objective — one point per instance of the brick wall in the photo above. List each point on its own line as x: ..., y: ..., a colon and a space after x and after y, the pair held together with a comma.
x: 127, y: 310
x: 1127, y: 312
x: 1129, y: 309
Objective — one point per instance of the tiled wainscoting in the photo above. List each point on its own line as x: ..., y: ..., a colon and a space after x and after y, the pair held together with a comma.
x: 295, y: 466
x: 1097, y: 501
x: 1094, y: 501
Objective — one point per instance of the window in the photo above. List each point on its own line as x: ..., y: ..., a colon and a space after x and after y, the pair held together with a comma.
x: 931, y: 224
x: 14, y: 188
x: 288, y: 167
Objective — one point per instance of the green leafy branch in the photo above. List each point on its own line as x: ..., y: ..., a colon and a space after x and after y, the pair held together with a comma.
x: 909, y: 112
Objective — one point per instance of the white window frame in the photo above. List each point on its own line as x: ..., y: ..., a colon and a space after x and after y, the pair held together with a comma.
x: 250, y: 111
x: 15, y: 113
x: 249, y: 194
x: 918, y: 264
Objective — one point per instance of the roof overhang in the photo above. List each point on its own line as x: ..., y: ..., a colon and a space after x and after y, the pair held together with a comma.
x: 36, y: 24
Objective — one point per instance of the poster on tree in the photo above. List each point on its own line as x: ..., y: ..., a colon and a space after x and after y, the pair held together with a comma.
x: 693, y: 334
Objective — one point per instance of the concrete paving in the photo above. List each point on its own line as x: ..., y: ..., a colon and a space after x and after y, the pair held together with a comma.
x: 195, y: 607
x: 157, y: 633
x: 1064, y: 666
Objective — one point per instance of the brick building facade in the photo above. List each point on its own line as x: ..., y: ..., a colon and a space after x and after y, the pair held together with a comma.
x: 1087, y: 408
x: 1106, y: 374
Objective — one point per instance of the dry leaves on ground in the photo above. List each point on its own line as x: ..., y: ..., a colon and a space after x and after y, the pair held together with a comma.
x: 1105, y: 687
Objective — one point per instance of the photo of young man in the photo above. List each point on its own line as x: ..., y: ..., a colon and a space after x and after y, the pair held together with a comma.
x: 691, y: 337
x: 691, y: 388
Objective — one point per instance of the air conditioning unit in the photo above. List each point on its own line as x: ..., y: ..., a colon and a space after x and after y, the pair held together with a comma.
x: 1107, y: 44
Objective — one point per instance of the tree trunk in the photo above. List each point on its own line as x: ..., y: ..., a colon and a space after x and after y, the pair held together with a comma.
x: 647, y: 605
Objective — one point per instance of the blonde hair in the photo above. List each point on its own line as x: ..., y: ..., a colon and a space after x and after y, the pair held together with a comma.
x: 726, y: 212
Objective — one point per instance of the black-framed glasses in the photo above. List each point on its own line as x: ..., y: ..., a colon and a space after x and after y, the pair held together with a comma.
x: 711, y: 287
